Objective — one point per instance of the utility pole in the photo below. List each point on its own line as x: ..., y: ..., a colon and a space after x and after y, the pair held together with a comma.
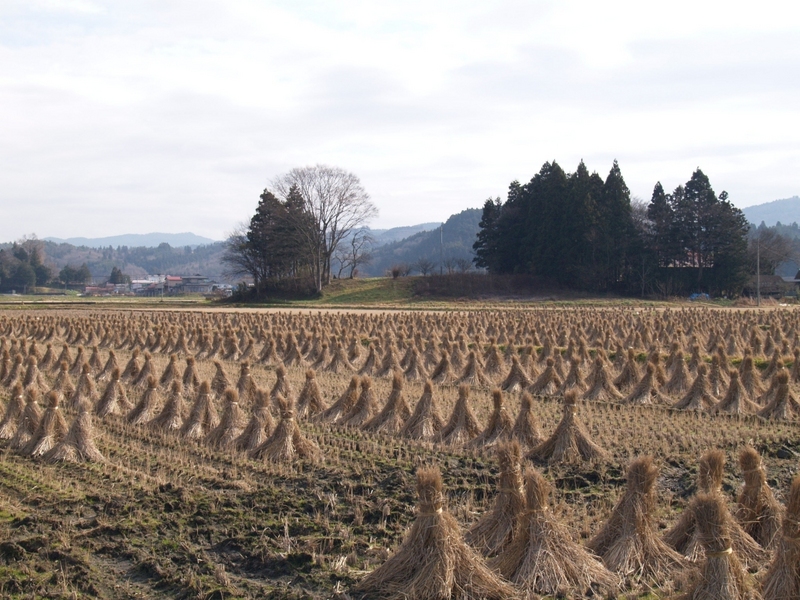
x: 441, y: 248
x: 758, y: 269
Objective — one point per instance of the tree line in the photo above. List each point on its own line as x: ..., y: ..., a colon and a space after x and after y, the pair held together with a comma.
x: 576, y: 230
x: 23, y: 268
x: 581, y: 231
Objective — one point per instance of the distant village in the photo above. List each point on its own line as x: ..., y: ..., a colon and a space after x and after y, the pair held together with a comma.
x: 162, y: 285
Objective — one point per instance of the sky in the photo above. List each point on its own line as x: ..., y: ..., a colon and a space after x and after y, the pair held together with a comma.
x: 173, y: 116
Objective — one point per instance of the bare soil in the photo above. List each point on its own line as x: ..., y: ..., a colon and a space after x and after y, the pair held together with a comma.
x: 167, y: 518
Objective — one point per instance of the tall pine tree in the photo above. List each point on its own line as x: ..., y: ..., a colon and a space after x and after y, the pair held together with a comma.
x: 616, y: 228
x: 485, y: 245
x: 662, y: 233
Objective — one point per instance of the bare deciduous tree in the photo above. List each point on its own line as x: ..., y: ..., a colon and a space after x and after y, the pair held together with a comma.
x: 424, y: 266
x: 641, y: 222
x: 239, y: 259
x: 337, y: 204
x: 354, y: 253
x: 767, y: 249
x: 463, y: 265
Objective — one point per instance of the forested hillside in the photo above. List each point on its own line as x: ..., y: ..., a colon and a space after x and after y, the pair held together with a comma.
x: 135, y: 262
x: 450, y: 244
x: 784, y: 211
x: 395, y: 234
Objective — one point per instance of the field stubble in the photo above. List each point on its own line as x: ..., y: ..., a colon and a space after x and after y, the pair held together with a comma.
x: 166, y: 517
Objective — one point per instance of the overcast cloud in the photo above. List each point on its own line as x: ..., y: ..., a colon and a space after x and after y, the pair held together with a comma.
x: 138, y: 116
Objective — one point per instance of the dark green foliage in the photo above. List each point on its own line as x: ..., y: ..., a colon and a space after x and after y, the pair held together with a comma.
x: 43, y: 272
x: 578, y: 231
x: 136, y: 261
x: 21, y: 267
x: 118, y: 277
x: 549, y: 237
x: 163, y: 259
x: 509, y: 227
x: 272, y: 237
x: 271, y: 248
x: 571, y: 229
x: 24, y: 276
x: 615, y: 229
x: 71, y: 276
x: 663, y: 228
x: 707, y: 239
x: 486, y: 244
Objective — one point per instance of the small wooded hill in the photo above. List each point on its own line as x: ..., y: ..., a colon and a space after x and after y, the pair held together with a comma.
x: 137, y: 262
x: 786, y: 211
x: 452, y: 241
x: 387, y: 236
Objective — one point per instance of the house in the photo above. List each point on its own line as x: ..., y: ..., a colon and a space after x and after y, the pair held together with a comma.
x: 794, y: 282
x: 152, y: 289
x: 771, y: 285
x: 196, y: 284
x: 172, y: 284
x: 107, y: 289
x: 137, y: 285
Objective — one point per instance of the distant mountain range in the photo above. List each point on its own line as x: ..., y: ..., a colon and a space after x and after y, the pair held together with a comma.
x: 786, y: 211
x: 137, y: 240
x: 180, y: 240
x: 139, y: 255
x: 387, y: 236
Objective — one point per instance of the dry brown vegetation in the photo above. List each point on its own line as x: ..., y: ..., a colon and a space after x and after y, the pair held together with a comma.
x: 212, y: 454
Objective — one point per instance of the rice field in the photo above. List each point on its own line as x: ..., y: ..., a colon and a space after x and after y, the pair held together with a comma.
x: 302, y: 445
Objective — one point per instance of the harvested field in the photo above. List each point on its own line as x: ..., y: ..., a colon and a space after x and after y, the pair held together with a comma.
x: 174, y: 515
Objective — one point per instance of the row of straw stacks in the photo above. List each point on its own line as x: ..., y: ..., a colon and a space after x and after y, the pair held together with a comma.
x: 521, y: 548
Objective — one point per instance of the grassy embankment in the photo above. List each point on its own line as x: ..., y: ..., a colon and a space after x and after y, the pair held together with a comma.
x: 375, y: 292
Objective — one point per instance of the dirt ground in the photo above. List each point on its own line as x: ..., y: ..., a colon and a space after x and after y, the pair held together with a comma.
x: 167, y: 518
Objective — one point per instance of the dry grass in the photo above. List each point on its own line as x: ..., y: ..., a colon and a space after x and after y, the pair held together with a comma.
x: 495, y: 529
x: 628, y: 542
x: 433, y: 561
x: 336, y: 513
x: 783, y: 578
x: 720, y: 576
x: 544, y: 558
